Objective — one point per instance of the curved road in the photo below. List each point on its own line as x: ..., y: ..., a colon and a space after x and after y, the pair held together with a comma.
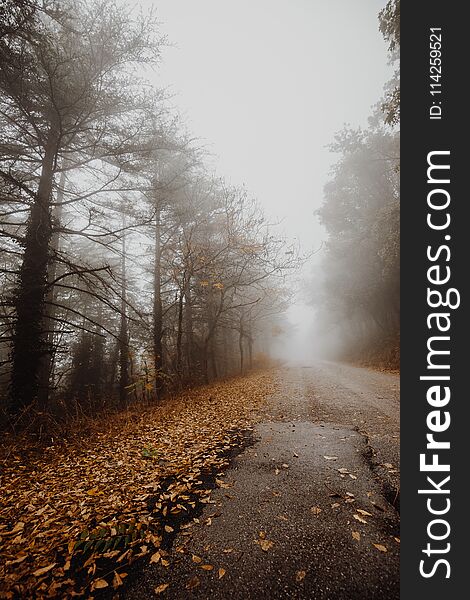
x: 312, y: 507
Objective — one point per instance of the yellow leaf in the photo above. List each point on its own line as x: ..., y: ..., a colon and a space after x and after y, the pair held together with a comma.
x: 265, y: 545
x: 380, y: 547
x: 221, y: 573
x: 194, y: 582
x: 300, y: 575
x: 92, y: 492
x: 117, y: 581
x: 43, y: 570
x: 161, y: 588
x: 165, y: 563
x: 360, y: 519
x: 356, y: 535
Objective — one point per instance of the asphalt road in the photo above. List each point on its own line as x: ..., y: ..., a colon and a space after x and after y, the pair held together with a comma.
x: 305, y: 504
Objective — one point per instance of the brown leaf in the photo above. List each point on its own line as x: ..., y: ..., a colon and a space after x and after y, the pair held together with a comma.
x: 380, y: 547
x: 194, y: 582
x: 168, y: 529
x: 300, y: 575
x: 363, y: 512
x: 265, y: 545
x: 43, y: 570
x: 161, y: 588
x: 155, y: 557
x: 207, y: 567
x: 197, y: 559
x: 360, y: 519
x: 356, y: 535
x: 117, y: 580
x: 99, y: 584
x: 316, y: 510
x: 330, y: 457
x: 221, y: 573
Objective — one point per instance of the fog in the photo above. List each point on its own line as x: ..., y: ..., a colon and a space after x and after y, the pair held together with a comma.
x: 265, y: 86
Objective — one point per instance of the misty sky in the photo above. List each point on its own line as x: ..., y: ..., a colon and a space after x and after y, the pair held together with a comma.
x: 266, y: 84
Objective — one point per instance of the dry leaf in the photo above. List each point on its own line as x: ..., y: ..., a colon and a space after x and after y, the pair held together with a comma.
x: 316, y: 510
x: 196, y: 559
x: 43, y: 570
x: 155, y: 557
x: 397, y: 539
x: 194, y: 582
x: 360, y: 519
x: 221, y: 573
x: 380, y: 547
x: 300, y: 575
x: 207, y: 567
x: 363, y: 512
x: 161, y: 588
x: 99, y: 584
x: 265, y: 545
x: 117, y: 580
x: 330, y: 457
x: 335, y: 505
x: 356, y: 535
x: 168, y: 529
x: 352, y: 476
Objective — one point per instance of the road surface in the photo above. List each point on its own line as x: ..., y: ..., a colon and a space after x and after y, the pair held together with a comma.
x: 311, y: 511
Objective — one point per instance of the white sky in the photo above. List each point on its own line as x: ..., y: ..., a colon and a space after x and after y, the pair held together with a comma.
x: 265, y: 84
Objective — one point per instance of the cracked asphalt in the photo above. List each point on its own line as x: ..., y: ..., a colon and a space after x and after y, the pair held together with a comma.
x: 310, y: 509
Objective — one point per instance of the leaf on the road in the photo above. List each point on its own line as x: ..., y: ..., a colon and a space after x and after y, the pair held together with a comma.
x: 285, y: 466
x: 380, y: 547
x: 330, y: 457
x: 227, y: 550
x: 43, y: 570
x: 387, y: 465
x: 397, y: 539
x: 207, y: 567
x: 352, y: 476
x: 276, y: 471
x: 262, y: 535
x: 155, y: 557
x: 161, y: 588
x: 360, y: 519
x: 165, y: 563
x: 356, y: 535
x: 265, y: 545
x: 335, y: 505
x: 197, y: 559
x: 168, y: 529
x: 364, y: 513
x: 316, y: 510
x: 99, y: 584
x: 343, y: 470
x: 194, y: 582
x: 221, y: 572
x: 300, y: 575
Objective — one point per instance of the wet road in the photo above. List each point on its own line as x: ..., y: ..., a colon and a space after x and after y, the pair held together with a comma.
x: 309, y: 510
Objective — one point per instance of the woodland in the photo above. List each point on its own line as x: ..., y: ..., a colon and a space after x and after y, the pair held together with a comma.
x: 140, y: 294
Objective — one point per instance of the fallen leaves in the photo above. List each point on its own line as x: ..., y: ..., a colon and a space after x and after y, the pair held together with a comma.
x: 161, y: 454
x: 316, y: 510
x: 221, y: 572
x: 193, y: 583
x: 161, y: 588
x: 300, y: 575
x: 380, y: 547
x: 356, y: 535
x: 330, y: 457
x: 360, y: 519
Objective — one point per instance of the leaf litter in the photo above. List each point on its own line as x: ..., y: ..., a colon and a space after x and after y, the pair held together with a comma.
x: 72, y: 517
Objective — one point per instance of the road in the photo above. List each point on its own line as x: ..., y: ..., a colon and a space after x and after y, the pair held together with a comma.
x: 311, y: 510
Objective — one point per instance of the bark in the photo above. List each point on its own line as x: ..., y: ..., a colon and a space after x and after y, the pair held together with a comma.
x: 179, y: 337
x: 158, y: 306
x: 28, y: 340
x: 123, y: 334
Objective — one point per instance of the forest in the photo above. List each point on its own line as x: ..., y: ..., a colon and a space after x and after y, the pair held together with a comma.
x: 356, y: 287
x: 129, y: 269
x: 144, y: 321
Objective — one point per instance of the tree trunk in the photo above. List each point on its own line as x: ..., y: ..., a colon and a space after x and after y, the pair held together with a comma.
x: 158, y: 306
x: 123, y: 334
x: 179, y: 337
x: 47, y: 360
x: 29, y: 340
x: 240, y: 347
x: 188, y: 326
